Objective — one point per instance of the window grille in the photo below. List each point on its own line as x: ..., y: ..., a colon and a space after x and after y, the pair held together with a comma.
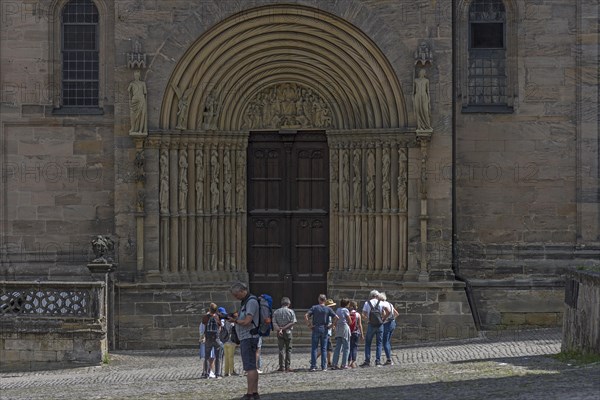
x: 487, y: 53
x: 80, y: 59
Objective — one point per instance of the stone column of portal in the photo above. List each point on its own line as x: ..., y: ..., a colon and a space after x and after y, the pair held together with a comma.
x: 164, y: 200
x: 221, y: 218
x: 182, y: 200
x: 386, y: 165
x: 350, y: 215
x: 371, y: 206
x: 334, y: 254
x: 357, y: 173
x: 174, y: 221
x: 424, y: 217
x: 402, y: 189
x: 378, y: 213
x: 191, y: 217
x: 140, y: 179
x: 215, y: 193
x: 240, y: 203
x: 227, y: 203
x: 200, y: 191
x: 344, y: 204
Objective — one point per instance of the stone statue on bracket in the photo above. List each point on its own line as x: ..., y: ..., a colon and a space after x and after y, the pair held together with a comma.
x: 164, y: 181
x: 199, y: 160
x: 334, y: 170
x: 227, y: 187
x: 385, y: 178
x: 214, y: 182
x: 210, y: 113
x: 371, y: 180
x: 183, y: 180
x: 345, y: 203
x: 239, y: 187
x: 356, y: 179
x: 422, y: 102
x: 182, y: 106
x: 138, y: 106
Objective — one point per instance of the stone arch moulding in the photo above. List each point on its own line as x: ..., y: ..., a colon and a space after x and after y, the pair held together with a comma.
x: 243, y: 57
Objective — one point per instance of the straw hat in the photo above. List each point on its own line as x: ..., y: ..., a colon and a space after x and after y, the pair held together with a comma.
x: 329, y: 303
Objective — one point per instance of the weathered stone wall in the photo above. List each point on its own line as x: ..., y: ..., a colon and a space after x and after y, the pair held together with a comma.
x: 428, y: 311
x: 581, y: 323
x: 523, y: 212
x: 165, y: 315
x: 53, y: 346
x: 57, y: 170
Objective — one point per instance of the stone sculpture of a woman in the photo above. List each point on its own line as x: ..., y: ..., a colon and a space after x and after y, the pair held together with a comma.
x: 421, y: 101
x: 138, y: 107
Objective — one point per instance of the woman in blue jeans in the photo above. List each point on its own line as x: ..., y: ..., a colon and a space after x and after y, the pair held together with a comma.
x: 356, y: 333
x: 342, y: 335
x: 388, y: 327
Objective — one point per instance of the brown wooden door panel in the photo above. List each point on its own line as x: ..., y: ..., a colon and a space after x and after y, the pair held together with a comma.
x: 288, y: 225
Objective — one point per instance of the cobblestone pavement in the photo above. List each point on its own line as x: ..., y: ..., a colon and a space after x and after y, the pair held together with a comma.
x: 497, y: 365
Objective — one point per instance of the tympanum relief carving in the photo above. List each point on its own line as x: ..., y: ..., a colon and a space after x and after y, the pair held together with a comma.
x: 287, y: 105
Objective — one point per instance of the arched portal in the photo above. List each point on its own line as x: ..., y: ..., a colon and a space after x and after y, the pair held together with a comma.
x: 281, y: 71
x: 233, y: 62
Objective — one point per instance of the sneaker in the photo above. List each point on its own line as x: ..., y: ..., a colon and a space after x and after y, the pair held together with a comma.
x: 345, y: 367
x: 260, y: 371
x: 377, y: 364
x: 313, y: 370
x: 212, y: 375
x: 281, y: 369
x: 289, y: 370
x: 204, y: 376
x: 365, y: 364
x: 389, y: 362
x: 324, y: 369
x: 255, y: 396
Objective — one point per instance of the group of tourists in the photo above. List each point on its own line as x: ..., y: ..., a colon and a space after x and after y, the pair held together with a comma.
x: 221, y: 332
x: 346, y: 326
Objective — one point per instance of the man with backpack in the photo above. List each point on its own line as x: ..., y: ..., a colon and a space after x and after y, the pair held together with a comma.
x: 319, y: 324
x: 375, y: 314
x: 247, y: 330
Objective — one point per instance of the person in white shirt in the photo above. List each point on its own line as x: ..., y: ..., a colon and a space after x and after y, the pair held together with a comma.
x: 389, y: 325
x: 374, y: 329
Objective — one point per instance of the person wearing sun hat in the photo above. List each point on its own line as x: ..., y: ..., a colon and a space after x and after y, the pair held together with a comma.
x: 318, y: 320
x: 329, y: 303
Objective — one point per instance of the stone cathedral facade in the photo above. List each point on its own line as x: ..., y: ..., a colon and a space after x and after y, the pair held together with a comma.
x: 445, y: 152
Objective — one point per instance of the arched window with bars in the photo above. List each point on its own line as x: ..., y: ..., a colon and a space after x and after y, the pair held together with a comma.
x: 80, y: 54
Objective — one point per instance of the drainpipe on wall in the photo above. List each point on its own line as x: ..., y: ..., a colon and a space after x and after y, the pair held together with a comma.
x: 455, y: 261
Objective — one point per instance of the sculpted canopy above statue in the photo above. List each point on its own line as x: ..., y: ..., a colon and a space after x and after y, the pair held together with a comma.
x: 287, y: 105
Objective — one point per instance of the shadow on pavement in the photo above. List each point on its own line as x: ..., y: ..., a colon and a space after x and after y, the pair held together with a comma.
x: 567, y: 384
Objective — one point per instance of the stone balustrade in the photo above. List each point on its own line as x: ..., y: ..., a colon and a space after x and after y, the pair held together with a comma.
x: 51, y: 324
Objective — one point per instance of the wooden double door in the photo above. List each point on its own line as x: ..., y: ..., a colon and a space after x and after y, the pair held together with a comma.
x: 288, y: 215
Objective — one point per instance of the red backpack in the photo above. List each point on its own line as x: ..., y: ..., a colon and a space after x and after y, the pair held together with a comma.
x: 353, y: 318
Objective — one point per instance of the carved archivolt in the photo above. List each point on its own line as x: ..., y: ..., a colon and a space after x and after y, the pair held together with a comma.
x: 256, y: 62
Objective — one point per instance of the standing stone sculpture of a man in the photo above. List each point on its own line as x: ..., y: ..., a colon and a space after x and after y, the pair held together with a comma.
x: 422, y: 103
x: 138, y: 106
